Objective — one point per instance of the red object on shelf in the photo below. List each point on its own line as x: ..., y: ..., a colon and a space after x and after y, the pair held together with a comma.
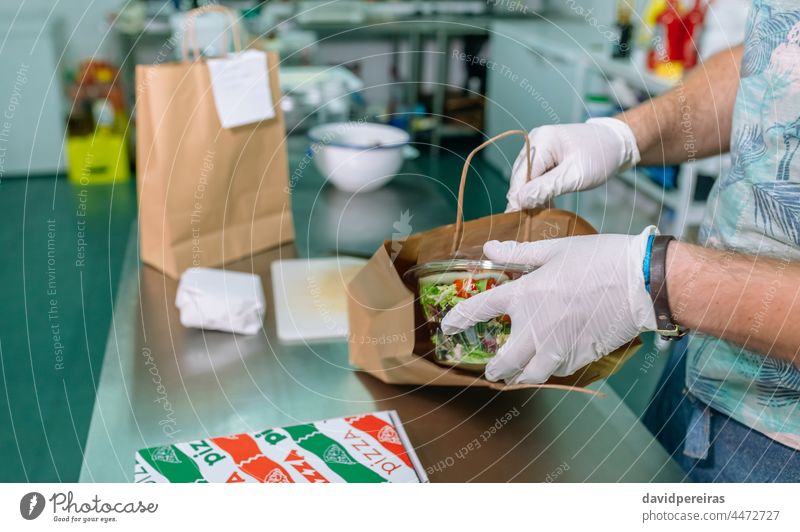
x: 672, y: 24
x: 676, y: 34
x: 693, y: 21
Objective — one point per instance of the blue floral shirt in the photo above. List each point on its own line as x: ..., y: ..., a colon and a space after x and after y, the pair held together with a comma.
x: 755, y: 209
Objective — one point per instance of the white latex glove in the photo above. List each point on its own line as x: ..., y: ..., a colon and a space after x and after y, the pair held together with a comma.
x: 571, y: 157
x: 586, y: 299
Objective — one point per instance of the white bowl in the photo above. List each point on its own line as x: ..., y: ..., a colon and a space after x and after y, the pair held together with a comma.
x: 358, y: 156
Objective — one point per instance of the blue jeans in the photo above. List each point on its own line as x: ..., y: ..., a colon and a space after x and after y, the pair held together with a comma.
x: 708, y: 445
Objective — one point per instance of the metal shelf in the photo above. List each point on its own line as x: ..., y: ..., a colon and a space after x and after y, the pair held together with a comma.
x: 680, y: 200
x: 635, y: 75
x: 643, y: 184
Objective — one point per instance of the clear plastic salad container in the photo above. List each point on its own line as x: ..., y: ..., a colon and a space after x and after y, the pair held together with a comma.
x: 442, y: 285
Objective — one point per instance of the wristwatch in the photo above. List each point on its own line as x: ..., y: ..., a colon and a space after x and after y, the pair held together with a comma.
x: 665, y: 325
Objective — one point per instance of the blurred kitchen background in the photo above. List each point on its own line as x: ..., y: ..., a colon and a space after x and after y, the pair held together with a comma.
x: 450, y: 73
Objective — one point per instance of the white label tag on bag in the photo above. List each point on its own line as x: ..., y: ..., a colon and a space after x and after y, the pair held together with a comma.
x: 240, y: 84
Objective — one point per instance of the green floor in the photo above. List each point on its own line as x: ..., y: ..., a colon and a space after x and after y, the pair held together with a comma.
x: 63, y: 255
x: 57, y: 299
x: 46, y: 403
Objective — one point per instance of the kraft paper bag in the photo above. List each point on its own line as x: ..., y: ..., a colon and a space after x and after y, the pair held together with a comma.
x: 207, y: 195
x: 389, y: 337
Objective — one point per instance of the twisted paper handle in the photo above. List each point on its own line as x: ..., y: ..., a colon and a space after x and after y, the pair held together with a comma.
x: 459, y: 229
x: 192, y: 33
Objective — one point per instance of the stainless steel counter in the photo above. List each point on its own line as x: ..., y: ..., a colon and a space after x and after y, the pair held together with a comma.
x: 162, y: 383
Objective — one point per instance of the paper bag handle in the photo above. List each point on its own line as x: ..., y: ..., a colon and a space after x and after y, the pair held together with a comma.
x: 459, y: 229
x: 190, y: 30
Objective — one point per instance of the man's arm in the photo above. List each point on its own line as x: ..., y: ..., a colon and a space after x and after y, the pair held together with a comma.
x: 751, y: 301
x: 693, y: 120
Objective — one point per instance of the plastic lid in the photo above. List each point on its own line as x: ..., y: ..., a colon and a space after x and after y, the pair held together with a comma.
x: 463, y: 265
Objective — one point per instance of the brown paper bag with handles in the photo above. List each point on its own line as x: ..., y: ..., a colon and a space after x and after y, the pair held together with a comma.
x: 389, y: 338
x: 207, y: 195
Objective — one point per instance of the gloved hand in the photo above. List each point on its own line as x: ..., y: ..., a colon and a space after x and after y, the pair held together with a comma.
x: 586, y: 298
x: 570, y: 157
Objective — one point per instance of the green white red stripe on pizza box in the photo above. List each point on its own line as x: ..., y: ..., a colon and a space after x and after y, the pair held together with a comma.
x: 366, y: 448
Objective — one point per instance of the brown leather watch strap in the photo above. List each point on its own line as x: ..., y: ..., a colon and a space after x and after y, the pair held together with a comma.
x: 665, y: 325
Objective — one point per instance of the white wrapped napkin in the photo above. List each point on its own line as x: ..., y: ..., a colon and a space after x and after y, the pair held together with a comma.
x: 221, y: 300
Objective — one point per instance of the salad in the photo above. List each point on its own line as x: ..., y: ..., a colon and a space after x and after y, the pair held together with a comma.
x: 442, y: 286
